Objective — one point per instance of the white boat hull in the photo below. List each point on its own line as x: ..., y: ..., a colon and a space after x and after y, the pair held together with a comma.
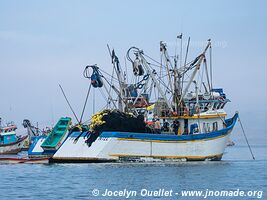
x: 115, y: 149
x: 117, y: 146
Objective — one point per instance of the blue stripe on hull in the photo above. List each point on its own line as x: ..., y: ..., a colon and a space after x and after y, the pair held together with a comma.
x: 35, y: 139
x: 145, y: 136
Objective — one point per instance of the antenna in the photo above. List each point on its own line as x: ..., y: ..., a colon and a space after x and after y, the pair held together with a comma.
x: 181, y: 48
x: 68, y: 103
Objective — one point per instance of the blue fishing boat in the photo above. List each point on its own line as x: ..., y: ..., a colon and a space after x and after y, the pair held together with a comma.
x: 10, y: 143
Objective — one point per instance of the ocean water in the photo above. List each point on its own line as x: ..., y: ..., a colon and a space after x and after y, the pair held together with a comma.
x: 236, y: 172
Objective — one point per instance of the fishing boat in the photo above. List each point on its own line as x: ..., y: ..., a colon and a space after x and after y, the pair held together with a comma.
x: 46, y: 145
x: 10, y: 143
x: 33, y: 132
x: 185, y: 120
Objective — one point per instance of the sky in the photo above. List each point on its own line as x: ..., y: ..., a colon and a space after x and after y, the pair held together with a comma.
x: 46, y: 43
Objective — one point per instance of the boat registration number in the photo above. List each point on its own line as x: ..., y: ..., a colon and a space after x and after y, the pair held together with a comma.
x: 103, y: 138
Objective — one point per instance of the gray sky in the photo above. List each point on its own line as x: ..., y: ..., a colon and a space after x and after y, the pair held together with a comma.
x: 44, y: 43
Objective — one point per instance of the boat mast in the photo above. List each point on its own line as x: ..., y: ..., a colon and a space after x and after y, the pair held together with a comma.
x: 163, y: 49
x: 176, y: 85
x: 152, y: 75
x: 196, y: 64
x: 117, y: 68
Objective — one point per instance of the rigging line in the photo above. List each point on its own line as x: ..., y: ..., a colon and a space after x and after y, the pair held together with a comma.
x: 86, y: 122
x: 163, y: 76
x: 142, y: 91
x: 202, y: 75
x: 68, y: 103
x: 164, y: 85
x: 86, y: 99
x: 207, y: 73
x: 105, y: 98
x: 111, y: 81
x: 158, y: 66
x: 105, y: 106
x: 181, y: 50
x: 246, y: 137
x: 152, y: 59
x: 112, y: 76
x: 93, y: 102
x: 151, y: 91
x: 109, y: 96
x: 198, y: 78
x: 126, y: 69
x: 161, y: 65
x: 101, y: 70
x: 211, y: 67
x: 223, y: 121
x: 168, y: 72
x: 111, y: 86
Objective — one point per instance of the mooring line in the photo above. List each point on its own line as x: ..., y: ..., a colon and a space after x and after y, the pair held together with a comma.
x: 246, y: 137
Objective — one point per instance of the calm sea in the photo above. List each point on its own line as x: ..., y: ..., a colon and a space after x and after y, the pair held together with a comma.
x: 237, y: 171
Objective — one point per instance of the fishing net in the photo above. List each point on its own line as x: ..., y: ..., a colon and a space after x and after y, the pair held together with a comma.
x: 115, y: 120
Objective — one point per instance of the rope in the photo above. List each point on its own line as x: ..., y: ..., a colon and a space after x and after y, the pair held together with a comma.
x: 68, y: 103
x: 246, y: 137
x: 86, y: 99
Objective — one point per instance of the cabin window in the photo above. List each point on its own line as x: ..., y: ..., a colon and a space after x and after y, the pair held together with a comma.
x: 185, y: 126
x: 208, y: 127
x: 204, y: 128
x: 215, y: 126
x: 193, y: 128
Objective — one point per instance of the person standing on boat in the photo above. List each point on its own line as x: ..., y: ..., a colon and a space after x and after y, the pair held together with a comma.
x: 175, y: 126
x: 165, y: 127
x: 157, y: 125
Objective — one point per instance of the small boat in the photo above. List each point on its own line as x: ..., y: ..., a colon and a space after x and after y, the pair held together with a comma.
x: 24, y: 160
x: 57, y: 135
x: 10, y: 143
x: 46, y: 146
